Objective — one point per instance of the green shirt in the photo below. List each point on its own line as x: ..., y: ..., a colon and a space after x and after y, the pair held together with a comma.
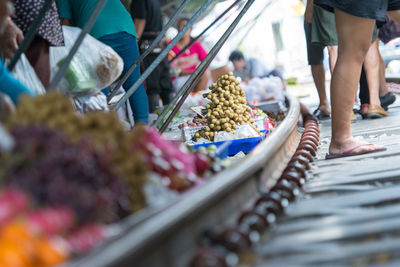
x: 113, y: 18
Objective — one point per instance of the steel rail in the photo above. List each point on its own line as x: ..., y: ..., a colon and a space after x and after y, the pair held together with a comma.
x: 162, y: 55
x: 30, y: 34
x: 191, y: 82
x: 175, y: 230
x: 153, y: 45
x: 204, y: 31
x: 86, y: 29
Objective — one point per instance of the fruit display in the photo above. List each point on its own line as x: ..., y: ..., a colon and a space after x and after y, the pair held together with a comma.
x: 196, y: 121
x: 227, y: 108
x: 103, y: 129
x: 70, y: 175
x: 44, y: 237
x: 177, y: 167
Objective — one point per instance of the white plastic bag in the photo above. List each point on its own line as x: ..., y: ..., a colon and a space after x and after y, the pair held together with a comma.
x: 125, y: 113
x: 260, y: 89
x: 245, y: 131
x: 86, y: 103
x: 25, y: 73
x: 94, y: 67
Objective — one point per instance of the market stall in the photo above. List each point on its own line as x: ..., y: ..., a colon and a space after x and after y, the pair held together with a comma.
x: 80, y: 175
x: 75, y: 178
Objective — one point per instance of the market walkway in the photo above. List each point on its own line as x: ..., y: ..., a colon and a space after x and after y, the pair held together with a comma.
x: 350, y: 212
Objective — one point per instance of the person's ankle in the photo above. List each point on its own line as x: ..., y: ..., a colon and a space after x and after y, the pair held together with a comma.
x: 325, y: 107
x: 339, y: 141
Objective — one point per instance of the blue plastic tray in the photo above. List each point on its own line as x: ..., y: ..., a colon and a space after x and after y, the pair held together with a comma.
x: 244, y: 145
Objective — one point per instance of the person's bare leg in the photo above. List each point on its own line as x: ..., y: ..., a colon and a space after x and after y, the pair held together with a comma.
x: 354, y: 35
x: 318, y: 73
x: 333, y: 54
x: 371, y: 65
x: 383, y: 90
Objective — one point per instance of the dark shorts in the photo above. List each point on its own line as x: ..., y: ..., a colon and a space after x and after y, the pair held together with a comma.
x: 373, y: 9
x: 323, y: 30
x: 315, y: 52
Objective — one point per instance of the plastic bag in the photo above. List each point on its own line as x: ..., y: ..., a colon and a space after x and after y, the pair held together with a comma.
x: 94, y: 67
x: 6, y: 140
x: 223, y: 136
x: 25, y: 73
x: 84, y: 104
x: 125, y: 113
x: 245, y: 131
x: 259, y: 89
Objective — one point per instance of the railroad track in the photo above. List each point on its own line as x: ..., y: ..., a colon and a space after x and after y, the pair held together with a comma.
x: 349, y: 213
x: 172, y: 237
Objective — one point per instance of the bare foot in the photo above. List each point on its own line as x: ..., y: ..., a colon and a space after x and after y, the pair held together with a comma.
x: 352, y: 146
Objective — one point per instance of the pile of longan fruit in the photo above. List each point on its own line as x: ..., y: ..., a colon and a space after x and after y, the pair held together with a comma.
x: 227, y: 108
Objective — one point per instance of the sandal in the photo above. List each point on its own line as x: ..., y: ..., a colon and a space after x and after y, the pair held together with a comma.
x: 350, y: 151
x: 321, y: 115
x: 376, y: 112
x: 353, y: 117
x: 387, y: 100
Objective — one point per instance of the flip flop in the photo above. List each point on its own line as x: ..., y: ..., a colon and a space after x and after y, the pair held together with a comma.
x: 376, y: 112
x: 387, y: 100
x: 321, y: 115
x: 349, y: 152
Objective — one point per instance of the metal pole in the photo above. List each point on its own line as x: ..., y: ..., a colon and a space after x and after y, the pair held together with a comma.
x: 205, y: 30
x: 156, y: 41
x: 187, y: 88
x: 30, y: 34
x: 89, y: 25
x: 162, y: 55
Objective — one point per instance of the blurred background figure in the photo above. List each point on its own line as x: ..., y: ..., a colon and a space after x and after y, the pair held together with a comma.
x: 188, y: 61
x: 320, y: 24
x: 114, y: 27
x: 148, y: 24
x: 49, y: 34
x: 250, y: 68
x: 8, y: 85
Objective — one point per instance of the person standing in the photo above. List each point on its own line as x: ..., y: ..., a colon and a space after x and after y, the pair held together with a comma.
x: 9, y: 85
x: 115, y: 28
x: 148, y: 24
x: 188, y: 61
x: 49, y: 34
x: 355, y: 22
x: 320, y: 24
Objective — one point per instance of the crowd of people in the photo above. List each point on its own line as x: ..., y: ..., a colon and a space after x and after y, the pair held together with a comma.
x: 129, y: 28
x: 350, y: 31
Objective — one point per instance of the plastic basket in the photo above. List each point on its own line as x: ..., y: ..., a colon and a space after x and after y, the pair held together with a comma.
x: 245, y: 145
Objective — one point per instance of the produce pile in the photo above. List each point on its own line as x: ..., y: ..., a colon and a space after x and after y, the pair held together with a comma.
x: 178, y: 168
x: 45, y: 237
x: 103, y: 130
x: 87, y: 165
x: 196, y: 121
x: 227, y: 108
x: 56, y: 172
